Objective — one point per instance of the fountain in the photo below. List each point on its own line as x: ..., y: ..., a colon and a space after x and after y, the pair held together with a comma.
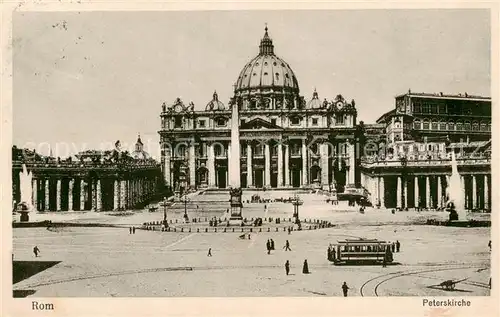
x: 25, y: 205
x: 456, y: 203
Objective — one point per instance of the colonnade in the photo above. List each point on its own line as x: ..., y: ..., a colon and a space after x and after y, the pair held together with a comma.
x: 97, y: 194
x: 427, y: 191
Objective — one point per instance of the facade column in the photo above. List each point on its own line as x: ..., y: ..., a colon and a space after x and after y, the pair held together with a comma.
x: 229, y: 168
x: 116, y: 193
x: 462, y: 185
x: 267, y: 165
x: 82, y: 194
x: 166, y: 166
x: 305, y: 178
x: 447, y: 194
x: 70, y: 194
x: 382, y: 192
x: 192, y: 165
x: 211, y: 165
x: 405, y: 192
x: 123, y: 195
x: 428, y: 192
x: 416, y: 201
x: 34, y: 196
x: 287, y: 165
x: 324, y: 165
x: 249, y: 166
x: 280, y: 165
x: 352, y: 163
x: 486, y: 193
x: 47, y: 194
x: 98, y: 196
x: 399, y: 193
x: 58, y: 195
x: 474, y: 192
x: 439, y: 192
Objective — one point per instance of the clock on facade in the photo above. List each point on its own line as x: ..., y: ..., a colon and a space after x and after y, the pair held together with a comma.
x: 178, y: 108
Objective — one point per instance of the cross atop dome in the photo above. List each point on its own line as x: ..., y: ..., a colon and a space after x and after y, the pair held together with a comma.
x: 266, y: 44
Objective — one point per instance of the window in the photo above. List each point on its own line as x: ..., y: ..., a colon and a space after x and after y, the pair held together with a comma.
x: 442, y: 109
x: 426, y: 125
x: 451, y: 126
x: 417, y: 125
x: 201, y: 123
x: 459, y: 126
x: 433, y: 108
x: 218, y: 150
x: 425, y: 108
x: 273, y: 121
x: 259, y: 150
x: 483, y: 126
x: 277, y: 76
x: 178, y: 122
x: 315, y: 121
x: 467, y: 125
x: 417, y: 107
x: 434, y: 125
x: 221, y: 122
x: 340, y: 119
x: 242, y: 122
x: 442, y: 125
x: 475, y: 126
x: 295, y: 120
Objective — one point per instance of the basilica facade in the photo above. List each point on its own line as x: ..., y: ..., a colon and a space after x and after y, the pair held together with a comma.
x: 285, y: 141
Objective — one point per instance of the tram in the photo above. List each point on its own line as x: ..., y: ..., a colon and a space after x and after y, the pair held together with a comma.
x: 361, y: 251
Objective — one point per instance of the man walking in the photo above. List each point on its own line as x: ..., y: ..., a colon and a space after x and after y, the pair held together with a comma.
x: 272, y: 244
x: 209, y: 252
x: 287, y: 267
x: 268, y: 245
x: 398, y: 245
x: 287, y: 246
x: 345, y: 288
x: 36, y: 250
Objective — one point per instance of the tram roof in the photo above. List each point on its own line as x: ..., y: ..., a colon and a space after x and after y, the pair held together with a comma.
x: 361, y: 241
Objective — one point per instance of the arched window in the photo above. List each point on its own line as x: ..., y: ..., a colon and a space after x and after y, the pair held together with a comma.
x: 426, y: 125
x: 451, y: 125
x: 483, y: 126
x: 489, y: 126
x: 417, y: 125
x: 459, y: 126
x: 434, y: 125
x: 467, y: 126
x: 442, y: 125
x: 475, y: 126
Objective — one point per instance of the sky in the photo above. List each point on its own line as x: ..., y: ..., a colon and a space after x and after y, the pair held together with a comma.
x: 86, y: 79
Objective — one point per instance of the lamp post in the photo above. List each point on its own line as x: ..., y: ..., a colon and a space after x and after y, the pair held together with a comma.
x: 165, y: 223
x: 185, y: 200
x: 296, y: 203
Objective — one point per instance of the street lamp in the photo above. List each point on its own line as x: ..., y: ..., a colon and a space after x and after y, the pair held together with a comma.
x: 165, y: 223
x: 185, y: 200
x: 296, y: 203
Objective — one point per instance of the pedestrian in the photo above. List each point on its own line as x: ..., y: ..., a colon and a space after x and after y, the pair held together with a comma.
x: 209, y: 252
x: 305, y: 268
x: 393, y: 247
x: 272, y: 244
x: 398, y: 245
x: 36, y: 250
x: 287, y: 246
x: 133, y: 230
x: 287, y: 267
x: 344, y: 289
x: 333, y: 254
x: 489, y: 245
x: 268, y: 246
x: 384, y: 261
x: 289, y: 230
x: 130, y: 230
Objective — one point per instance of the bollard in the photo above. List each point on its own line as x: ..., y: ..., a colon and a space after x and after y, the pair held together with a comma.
x: 224, y: 229
x: 171, y: 221
x: 241, y: 229
x: 175, y: 220
x: 175, y: 229
x: 260, y: 229
x: 182, y: 229
x: 206, y: 229
x: 251, y: 229
x: 189, y: 229
x: 277, y: 229
x: 268, y: 229
x: 233, y: 229
x: 215, y: 229
x: 284, y: 229
x: 197, y: 229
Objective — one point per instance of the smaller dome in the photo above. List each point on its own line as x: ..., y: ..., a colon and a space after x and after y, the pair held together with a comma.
x: 215, y: 104
x: 314, y: 103
x: 139, y: 153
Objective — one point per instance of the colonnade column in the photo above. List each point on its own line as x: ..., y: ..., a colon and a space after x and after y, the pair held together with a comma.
x: 70, y: 194
x: 123, y: 195
x: 192, y: 165
x: 98, y: 196
x: 305, y: 180
x: 462, y: 186
x: 352, y: 163
x: 405, y: 192
x: 382, y: 191
x: 427, y: 192
x: 398, y: 192
x: 287, y: 167
x: 58, y: 195
x: 486, y: 193
x: 474, y: 192
x: 47, y: 194
x: 267, y: 166
x: 211, y: 165
x: 446, y: 195
x: 116, y: 195
x: 416, y: 200
x: 82, y: 194
x: 249, y: 166
x: 324, y: 164
x: 280, y: 165
x: 439, y: 192
x: 35, y: 194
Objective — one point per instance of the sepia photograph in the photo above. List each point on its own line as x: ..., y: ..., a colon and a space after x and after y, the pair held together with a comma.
x: 247, y: 153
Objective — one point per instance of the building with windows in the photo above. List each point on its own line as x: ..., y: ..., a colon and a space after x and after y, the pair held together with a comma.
x: 285, y: 140
x: 412, y: 167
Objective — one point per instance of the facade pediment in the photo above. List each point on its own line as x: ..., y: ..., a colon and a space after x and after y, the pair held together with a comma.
x: 259, y: 124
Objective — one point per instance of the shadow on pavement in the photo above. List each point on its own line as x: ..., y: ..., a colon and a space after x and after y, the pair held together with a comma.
x: 23, y: 293
x: 22, y: 270
x: 450, y: 290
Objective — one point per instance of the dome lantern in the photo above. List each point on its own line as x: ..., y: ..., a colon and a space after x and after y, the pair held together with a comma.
x: 266, y: 45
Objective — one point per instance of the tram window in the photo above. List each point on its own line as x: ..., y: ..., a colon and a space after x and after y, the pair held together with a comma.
x: 356, y: 248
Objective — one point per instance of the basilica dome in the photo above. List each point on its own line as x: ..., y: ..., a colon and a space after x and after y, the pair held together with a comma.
x: 266, y: 70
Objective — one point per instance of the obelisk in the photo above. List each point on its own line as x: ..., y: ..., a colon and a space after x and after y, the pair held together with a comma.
x: 234, y: 167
